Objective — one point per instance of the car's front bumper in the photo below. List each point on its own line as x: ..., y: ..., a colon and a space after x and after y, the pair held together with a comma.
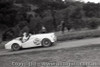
x: 7, y: 46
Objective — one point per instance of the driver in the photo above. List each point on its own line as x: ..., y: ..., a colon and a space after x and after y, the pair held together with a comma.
x: 25, y: 37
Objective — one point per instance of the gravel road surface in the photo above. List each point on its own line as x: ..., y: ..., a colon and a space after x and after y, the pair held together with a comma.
x: 59, y: 45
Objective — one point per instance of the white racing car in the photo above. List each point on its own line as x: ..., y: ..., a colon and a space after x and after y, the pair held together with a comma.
x: 44, y: 40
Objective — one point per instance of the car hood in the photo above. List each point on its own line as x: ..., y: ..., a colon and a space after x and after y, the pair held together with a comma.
x: 14, y: 40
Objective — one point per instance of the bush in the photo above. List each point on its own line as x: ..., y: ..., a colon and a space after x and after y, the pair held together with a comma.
x: 93, y: 23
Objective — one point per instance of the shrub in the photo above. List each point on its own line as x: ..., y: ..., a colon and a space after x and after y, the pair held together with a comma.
x: 93, y: 23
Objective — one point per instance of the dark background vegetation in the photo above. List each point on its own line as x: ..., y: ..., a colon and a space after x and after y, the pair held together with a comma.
x: 18, y: 16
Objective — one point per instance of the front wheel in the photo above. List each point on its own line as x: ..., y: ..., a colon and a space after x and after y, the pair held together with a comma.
x: 15, y: 47
x: 46, y: 42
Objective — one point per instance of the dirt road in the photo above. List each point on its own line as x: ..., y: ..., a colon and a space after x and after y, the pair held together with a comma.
x: 59, y: 45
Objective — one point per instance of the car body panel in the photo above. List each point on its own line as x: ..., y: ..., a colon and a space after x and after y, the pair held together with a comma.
x: 33, y: 41
x: 9, y: 44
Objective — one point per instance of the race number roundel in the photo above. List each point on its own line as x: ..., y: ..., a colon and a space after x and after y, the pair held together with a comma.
x: 37, y: 41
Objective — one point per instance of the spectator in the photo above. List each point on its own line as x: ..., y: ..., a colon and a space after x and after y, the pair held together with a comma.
x: 43, y: 30
x: 62, y: 26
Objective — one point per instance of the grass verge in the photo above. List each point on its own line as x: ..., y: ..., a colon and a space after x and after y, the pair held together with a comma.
x: 78, y: 35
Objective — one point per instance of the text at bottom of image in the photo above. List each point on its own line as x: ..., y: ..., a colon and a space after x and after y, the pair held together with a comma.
x: 54, y: 64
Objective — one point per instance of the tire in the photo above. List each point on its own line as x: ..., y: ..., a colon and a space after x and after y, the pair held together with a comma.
x: 15, y: 47
x: 46, y: 42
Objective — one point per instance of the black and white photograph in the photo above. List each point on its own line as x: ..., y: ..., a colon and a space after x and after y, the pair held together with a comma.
x: 49, y: 33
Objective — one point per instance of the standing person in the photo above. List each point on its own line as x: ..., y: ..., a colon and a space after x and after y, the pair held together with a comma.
x: 62, y: 26
x: 43, y: 30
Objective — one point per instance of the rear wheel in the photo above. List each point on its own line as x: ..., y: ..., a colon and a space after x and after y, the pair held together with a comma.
x: 46, y: 42
x: 15, y: 47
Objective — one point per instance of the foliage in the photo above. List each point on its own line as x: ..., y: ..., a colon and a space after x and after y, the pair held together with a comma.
x: 49, y: 13
x: 93, y: 23
x: 92, y: 9
x: 52, y: 6
x: 7, y: 14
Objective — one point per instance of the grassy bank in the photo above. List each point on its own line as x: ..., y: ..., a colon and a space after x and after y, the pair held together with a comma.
x: 78, y: 35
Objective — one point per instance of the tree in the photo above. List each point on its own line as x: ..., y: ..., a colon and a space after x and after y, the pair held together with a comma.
x: 67, y: 18
x: 52, y: 6
x: 92, y: 9
x: 7, y: 13
x: 76, y: 17
x: 35, y: 25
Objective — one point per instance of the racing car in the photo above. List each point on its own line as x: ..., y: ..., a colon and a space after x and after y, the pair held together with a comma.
x: 45, y: 40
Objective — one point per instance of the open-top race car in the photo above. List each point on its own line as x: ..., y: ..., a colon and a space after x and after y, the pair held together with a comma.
x: 45, y: 40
